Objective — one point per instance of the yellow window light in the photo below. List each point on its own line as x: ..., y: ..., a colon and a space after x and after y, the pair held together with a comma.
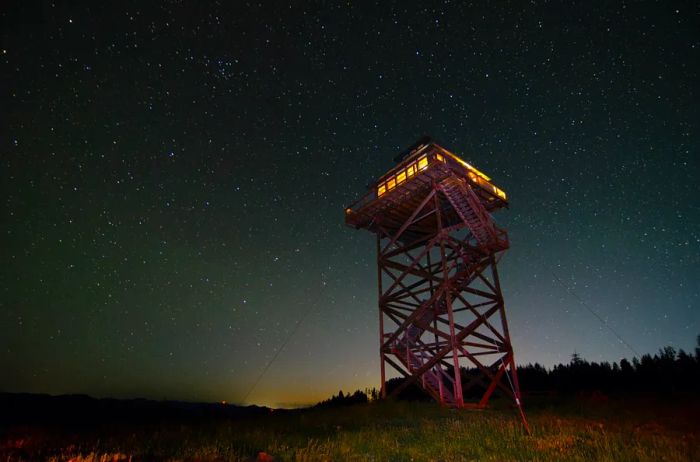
x: 411, y: 170
x: 381, y: 189
x: 401, y: 177
x: 422, y: 163
x: 482, y: 175
x: 390, y: 184
x: 469, y: 167
x: 440, y: 158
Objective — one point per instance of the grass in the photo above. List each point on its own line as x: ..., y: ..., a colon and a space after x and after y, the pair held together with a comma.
x: 624, y: 430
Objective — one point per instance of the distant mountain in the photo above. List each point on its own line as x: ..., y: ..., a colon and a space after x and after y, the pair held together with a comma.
x: 82, y: 409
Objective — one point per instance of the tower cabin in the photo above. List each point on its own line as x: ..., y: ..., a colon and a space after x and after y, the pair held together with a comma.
x: 398, y: 193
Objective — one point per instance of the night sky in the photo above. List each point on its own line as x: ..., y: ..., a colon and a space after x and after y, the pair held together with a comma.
x: 174, y: 177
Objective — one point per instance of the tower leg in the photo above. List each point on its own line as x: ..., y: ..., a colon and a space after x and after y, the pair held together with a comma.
x: 457, y: 376
x: 381, y: 322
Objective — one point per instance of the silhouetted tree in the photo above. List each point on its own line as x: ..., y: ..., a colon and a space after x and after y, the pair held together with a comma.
x: 576, y: 359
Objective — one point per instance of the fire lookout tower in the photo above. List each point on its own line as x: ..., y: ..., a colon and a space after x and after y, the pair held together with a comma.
x: 440, y: 304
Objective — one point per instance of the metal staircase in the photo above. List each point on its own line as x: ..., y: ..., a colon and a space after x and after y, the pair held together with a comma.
x: 415, y: 330
x: 432, y: 380
x: 467, y: 205
x: 409, y: 348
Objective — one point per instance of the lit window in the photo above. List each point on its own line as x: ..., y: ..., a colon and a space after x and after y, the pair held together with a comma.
x: 440, y: 158
x: 401, y: 177
x: 411, y: 170
x: 381, y: 189
x: 422, y: 163
x: 390, y: 184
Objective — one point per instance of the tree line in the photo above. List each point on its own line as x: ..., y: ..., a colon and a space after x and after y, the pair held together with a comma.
x: 670, y: 370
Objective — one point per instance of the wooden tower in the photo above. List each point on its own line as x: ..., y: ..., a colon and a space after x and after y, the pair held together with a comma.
x: 442, y: 321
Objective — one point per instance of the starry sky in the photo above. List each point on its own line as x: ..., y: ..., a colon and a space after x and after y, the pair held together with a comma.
x: 173, y: 177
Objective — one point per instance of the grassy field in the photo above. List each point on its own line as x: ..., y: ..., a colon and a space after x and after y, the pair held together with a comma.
x: 582, y: 430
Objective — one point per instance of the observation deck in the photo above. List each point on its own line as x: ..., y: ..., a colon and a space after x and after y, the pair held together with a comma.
x: 395, y: 196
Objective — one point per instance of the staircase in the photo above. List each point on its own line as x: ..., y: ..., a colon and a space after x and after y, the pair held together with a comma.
x: 415, y: 330
x: 489, y: 239
x: 431, y: 380
x: 469, y: 208
x: 403, y: 348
